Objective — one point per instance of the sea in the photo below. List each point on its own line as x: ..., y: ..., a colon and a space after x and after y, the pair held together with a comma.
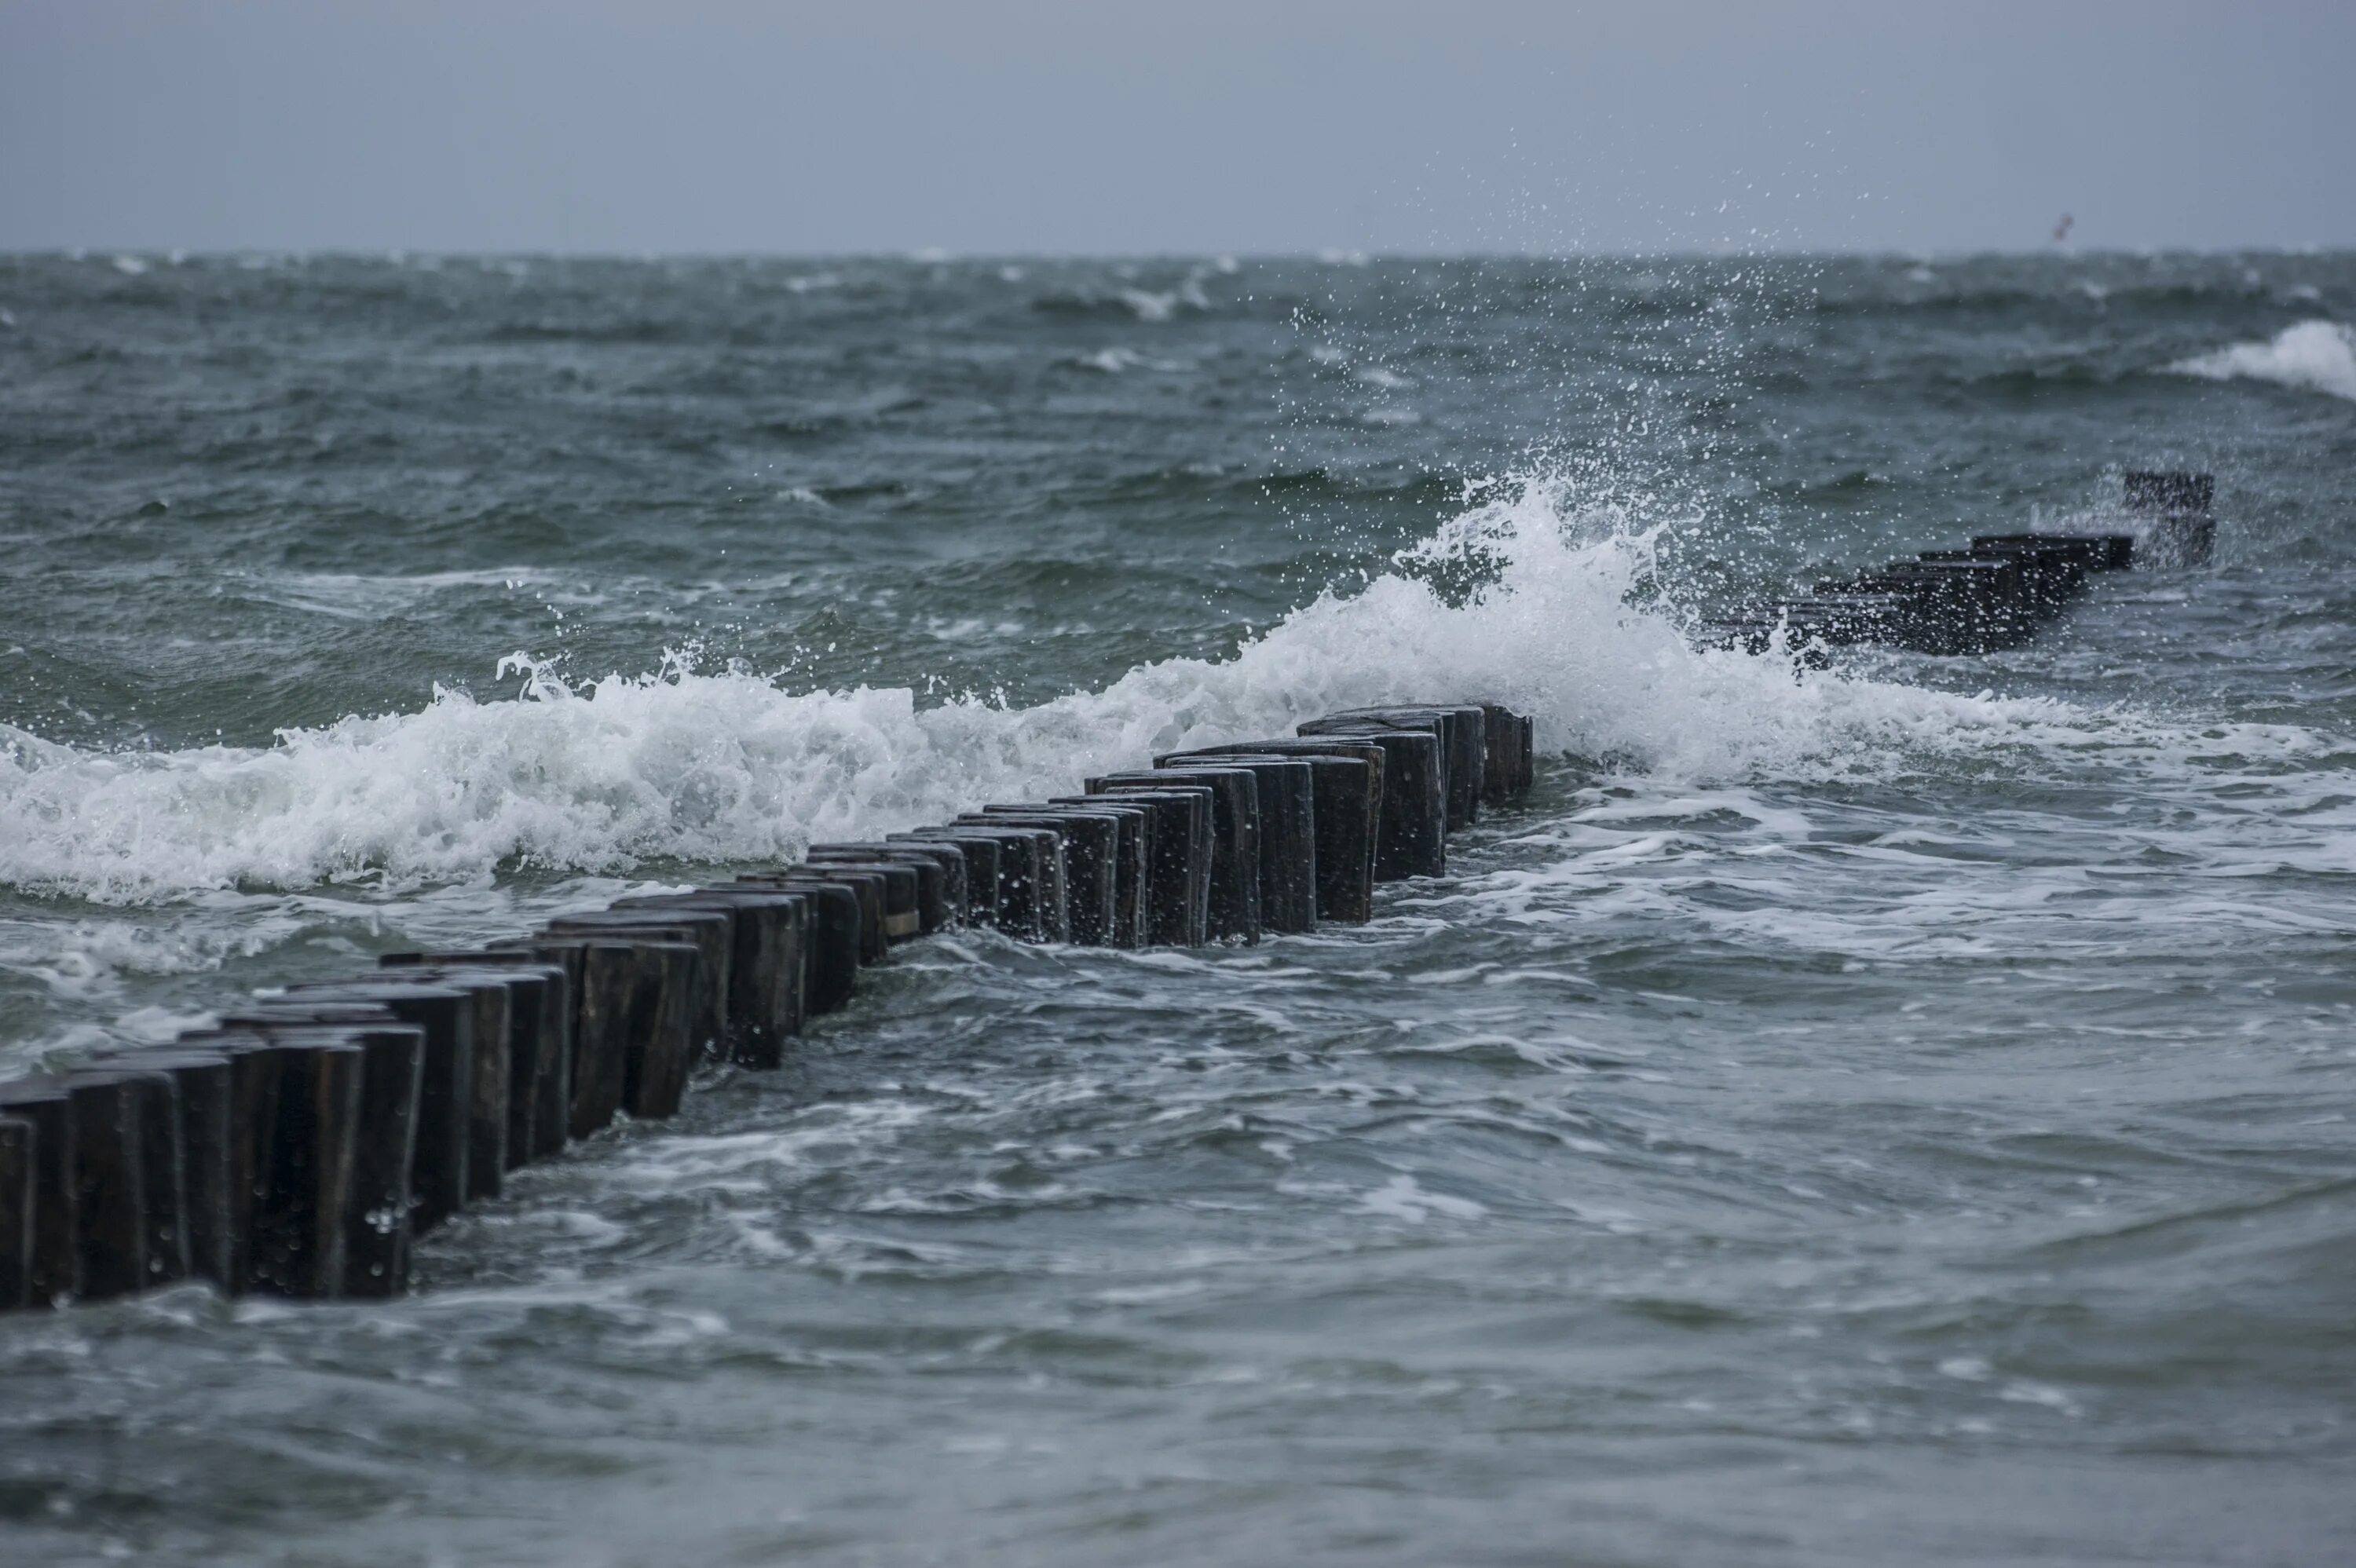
x: 1897, y: 1111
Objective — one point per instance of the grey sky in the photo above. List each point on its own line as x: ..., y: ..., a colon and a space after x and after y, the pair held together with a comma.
x: 1281, y: 125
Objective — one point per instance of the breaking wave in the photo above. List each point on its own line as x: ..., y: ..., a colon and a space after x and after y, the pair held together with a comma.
x: 717, y: 767
x: 2314, y: 355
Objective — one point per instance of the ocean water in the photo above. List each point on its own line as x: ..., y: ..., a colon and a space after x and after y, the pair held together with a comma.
x: 1895, y: 1112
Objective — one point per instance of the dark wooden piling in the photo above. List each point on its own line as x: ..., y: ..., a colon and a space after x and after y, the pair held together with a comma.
x: 1347, y: 780
x: 1026, y: 863
x: 110, y: 1201
x: 903, y: 891
x: 248, y: 1124
x: 54, y: 1270
x: 836, y: 938
x: 664, y: 992
x: 1462, y: 730
x: 533, y: 1026
x: 1132, y: 866
x: 601, y: 1029
x: 447, y: 1110
x: 162, y: 1172
x: 712, y: 932
x: 980, y: 854
x: 767, y: 970
x: 1287, y: 834
x: 18, y: 1159
x: 1501, y: 751
x: 200, y: 1100
x: 1179, y: 888
x: 540, y: 1037
x: 867, y: 888
x: 1038, y: 891
x: 377, y: 1206
x: 489, y: 1074
x: 934, y: 909
x: 656, y: 1071
x: 1233, y: 899
x: 598, y: 975
x: 1415, y: 802
x: 1344, y: 814
x: 1091, y: 845
x: 300, y: 1221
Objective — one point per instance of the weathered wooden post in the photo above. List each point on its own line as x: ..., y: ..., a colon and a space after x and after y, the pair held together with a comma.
x: 1347, y: 778
x: 661, y: 997
x: 931, y: 911
x: 18, y: 1161
x: 836, y: 935
x: 541, y: 1006
x: 201, y: 1100
x: 1027, y: 861
x: 1287, y: 834
x: 1462, y: 731
x: 110, y: 1201
x: 1414, y: 799
x: 441, y: 1178
x: 979, y: 854
x: 713, y: 933
x: 767, y: 969
x: 1179, y: 887
x: 1133, y: 865
x: 163, y: 1171
x: 1235, y: 857
x: 903, y: 891
x: 1091, y: 845
x: 54, y: 1270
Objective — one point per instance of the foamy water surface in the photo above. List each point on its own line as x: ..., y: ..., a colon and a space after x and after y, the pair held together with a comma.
x: 1894, y: 1112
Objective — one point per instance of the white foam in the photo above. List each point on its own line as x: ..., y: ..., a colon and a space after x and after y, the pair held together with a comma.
x: 2314, y: 355
x: 602, y: 776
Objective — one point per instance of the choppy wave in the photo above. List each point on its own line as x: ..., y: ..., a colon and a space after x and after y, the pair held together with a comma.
x: 715, y: 767
x: 2314, y: 355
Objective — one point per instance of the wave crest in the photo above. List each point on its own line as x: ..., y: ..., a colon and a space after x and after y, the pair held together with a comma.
x: 1522, y: 600
x: 2313, y: 356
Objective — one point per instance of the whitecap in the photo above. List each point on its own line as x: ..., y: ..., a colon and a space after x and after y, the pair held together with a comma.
x: 2314, y: 355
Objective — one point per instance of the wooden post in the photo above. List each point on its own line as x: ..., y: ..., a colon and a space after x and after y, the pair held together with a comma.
x: 1179, y: 887
x: 299, y: 1226
x: 904, y: 890
x: 163, y: 1171
x: 766, y: 970
x: 1414, y: 798
x: 1233, y: 912
x: 661, y: 998
x: 1132, y: 866
x: 442, y: 1176
x: 1287, y: 834
x: 836, y: 937
x: 713, y: 934
x: 1347, y: 777
x: 931, y: 909
x: 1091, y: 860
x: 55, y: 1271
x: 979, y: 853
x: 110, y: 1201
x: 19, y: 1163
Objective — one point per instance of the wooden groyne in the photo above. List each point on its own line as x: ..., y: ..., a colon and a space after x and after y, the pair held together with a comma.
x: 1995, y: 595
x: 303, y: 1145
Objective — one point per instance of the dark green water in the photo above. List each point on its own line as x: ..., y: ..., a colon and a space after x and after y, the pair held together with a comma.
x: 1893, y: 1113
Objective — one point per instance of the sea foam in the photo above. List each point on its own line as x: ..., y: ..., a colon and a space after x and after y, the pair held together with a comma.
x: 2314, y: 355
x: 604, y: 775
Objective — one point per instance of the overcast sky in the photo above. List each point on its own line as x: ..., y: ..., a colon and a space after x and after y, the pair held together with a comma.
x: 1194, y: 125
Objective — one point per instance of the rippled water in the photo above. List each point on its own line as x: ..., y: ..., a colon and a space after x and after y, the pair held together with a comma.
x: 1891, y: 1114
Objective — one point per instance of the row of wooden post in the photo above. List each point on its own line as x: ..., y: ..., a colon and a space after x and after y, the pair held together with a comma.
x: 302, y: 1146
